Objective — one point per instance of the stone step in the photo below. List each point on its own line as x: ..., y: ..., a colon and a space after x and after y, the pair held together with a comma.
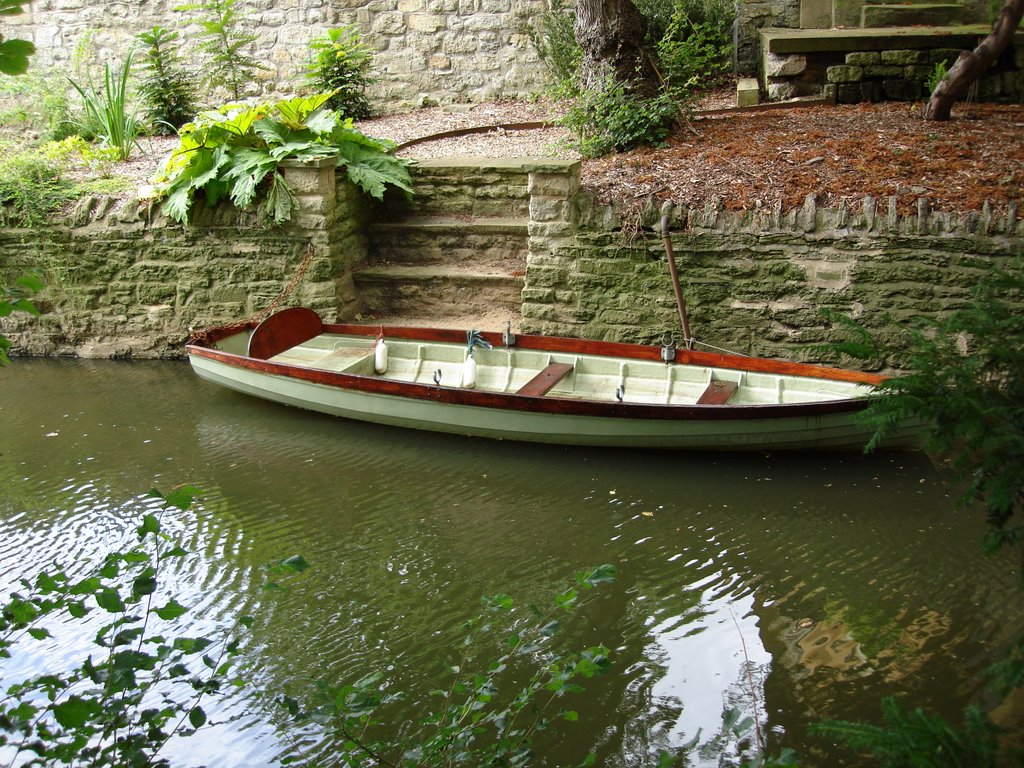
x: 495, y: 187
x: 907, y: 15
x: 437, y: 291
x: 491, y: 244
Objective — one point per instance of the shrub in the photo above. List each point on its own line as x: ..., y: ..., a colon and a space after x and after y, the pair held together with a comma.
x: 235, y: 152
x: 340, y: 65
x: 615, y: 119
x: 118, y: 124
x: 168, y: 91
x: 555, y: 43
x: 224, y: 43
x: 38, y: 102
x: 693, y: 54
x: 32, y: 186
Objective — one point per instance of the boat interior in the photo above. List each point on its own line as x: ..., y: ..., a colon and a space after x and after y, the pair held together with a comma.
x: 559, y: 375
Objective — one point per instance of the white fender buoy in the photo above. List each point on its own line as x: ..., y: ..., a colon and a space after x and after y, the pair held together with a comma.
x: 380, y: 356
x: 469, y: 372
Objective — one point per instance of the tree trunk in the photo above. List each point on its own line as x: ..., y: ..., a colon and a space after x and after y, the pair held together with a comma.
x: 611, y: 33
x: 970, y: 66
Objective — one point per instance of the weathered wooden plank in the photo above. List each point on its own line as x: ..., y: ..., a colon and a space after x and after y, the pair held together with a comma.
x: 542, y: 383
x: 718, y: 393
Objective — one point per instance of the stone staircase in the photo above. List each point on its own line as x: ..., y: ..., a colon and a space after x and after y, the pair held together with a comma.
x: 455, y: 256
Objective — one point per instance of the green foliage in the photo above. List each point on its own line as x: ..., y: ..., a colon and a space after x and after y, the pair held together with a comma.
x: 147, y: 678
x: 693, y: 41
x: 340, y: 65
x: 15, y: 299
x: 555, y: 42
x: 37, y: 102
x: 117, y: 125
x: 224, y: 43
x: 236, y: 151
x: 693, y: 54
x: 914, y: 739
x: 937, y: 76
x: 967, y: 385
x: 481, y: 718
x: 614, y: 118
x: 32, y: 186
x: 166, y: 88
x: 14, y: 53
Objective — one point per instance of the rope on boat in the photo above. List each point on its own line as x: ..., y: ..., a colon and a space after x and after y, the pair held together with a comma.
x: 203, y: 336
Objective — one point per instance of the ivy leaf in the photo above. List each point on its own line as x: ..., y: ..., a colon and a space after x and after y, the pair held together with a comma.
x: 109, y: 599
x: 171, y: 611
x: 74, y: 712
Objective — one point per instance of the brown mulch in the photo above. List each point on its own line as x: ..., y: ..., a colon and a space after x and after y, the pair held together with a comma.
x: 751, y: 160
x: 835, y: 152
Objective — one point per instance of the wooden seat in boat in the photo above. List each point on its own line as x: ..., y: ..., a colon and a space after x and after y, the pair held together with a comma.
x: 717, y: 393
x: 542, y: 383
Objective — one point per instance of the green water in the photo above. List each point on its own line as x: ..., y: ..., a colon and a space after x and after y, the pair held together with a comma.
x: 799, y: 587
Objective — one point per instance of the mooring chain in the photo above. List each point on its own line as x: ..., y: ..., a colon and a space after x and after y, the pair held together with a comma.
x: 269, y: 310
x: 203, y: 336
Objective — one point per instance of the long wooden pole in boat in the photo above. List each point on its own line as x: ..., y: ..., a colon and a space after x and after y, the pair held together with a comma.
x: 666, y: 214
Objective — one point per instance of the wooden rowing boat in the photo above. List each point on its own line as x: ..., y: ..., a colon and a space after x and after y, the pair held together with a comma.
x: 538, y: 388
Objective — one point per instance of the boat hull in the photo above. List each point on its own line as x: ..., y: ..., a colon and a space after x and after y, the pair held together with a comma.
x: 831, y: 426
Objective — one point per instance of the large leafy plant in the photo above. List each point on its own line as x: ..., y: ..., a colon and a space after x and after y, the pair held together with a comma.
x: 236, y: 152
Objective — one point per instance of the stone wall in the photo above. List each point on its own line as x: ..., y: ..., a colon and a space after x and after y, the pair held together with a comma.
x: 123, y: 281
x: 425, y: 51
x: 757, y: 282
x: 440, y: 51
x: 761, y: 282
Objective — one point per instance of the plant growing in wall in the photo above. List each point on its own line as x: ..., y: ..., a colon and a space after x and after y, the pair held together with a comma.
x: 166, y: 87
x: 235, y: 152
x: 224, y: 42
x: 340, y: 65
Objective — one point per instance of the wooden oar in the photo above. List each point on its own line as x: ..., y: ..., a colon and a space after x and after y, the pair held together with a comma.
x: 666, y: 213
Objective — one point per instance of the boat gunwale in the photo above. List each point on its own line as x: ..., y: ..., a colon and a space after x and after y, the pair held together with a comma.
x: 546, y: 403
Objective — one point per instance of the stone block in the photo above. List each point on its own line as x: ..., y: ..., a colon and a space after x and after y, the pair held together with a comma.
x: 425, y: 22
x: 948, y: 56
x: 388, y: 23
x: 776, y: 65
x: 871, y: 90
x: 815, y: 14
x: 918, y: 72
x: 863, y: 58
x: 747, y: 92
x: 781, y: 91
x: 905, y: 57
x: 902, y: 90
x: 849, y: 93
x: 842, y: 73
x: 883, y: 70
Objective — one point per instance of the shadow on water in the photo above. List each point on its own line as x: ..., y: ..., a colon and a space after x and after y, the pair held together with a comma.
x: 800, y: 586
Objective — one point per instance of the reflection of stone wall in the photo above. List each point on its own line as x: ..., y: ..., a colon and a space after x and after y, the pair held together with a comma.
x: 438, y: 50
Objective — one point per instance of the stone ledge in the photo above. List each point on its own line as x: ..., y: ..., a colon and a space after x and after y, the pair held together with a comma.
x: 783, y: 41
x: 515, y: 164
x: 462, y: 224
